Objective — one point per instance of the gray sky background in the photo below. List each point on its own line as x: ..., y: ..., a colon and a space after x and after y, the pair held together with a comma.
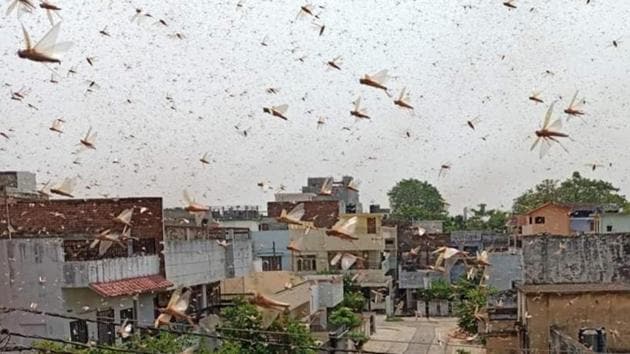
x: 448, y: 56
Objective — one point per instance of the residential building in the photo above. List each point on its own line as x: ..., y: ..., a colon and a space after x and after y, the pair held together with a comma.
x: 414, y: 272
x: 572, y: 283
x: 309, y: 298
x: 19, y: 184
x: 473, y: 241
x: 200, y: 257
x: 271, y: 248
x: 506, y: 269
x: 238, y: 216
x: 549, y: 218
x: 564, y: 219
x: 318, y: 249
x: 46, y: 262
x: 348, y: 198
x: 496, y: 326
x: 376, y: 209
x: 607, y: 222
x: 295, y: 197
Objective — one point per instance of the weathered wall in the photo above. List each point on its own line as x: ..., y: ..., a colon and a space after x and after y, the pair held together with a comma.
x: 479, y: 239
x: 240, y: 250
x: 22, y: 263
x: 570, y: 312
x: 561, y: 343
x: 194, y: 262
x: 418, y: 279
x: 193, y: 256
x: 252, y: 225
x: 505, y: 268
x: 577, y: 259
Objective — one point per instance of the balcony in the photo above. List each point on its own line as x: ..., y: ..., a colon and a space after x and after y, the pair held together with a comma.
x: 79, y: 274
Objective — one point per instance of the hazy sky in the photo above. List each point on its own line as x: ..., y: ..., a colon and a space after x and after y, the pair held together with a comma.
x: 457, y: 62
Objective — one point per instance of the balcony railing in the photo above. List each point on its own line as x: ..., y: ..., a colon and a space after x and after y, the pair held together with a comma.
x: 79, y: 274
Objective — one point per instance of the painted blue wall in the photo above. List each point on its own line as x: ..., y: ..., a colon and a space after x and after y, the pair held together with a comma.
x: 581, y: 225
x: 264, y: 242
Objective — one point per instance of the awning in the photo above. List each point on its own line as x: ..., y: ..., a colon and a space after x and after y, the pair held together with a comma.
x: 131, y: 286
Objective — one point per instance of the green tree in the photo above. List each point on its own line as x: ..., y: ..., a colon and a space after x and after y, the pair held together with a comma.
x: 244, y: 316
x: 163, y: 342
x: 483, y: 218
x: 296, y: 339
x: 575, y: 189
x: 471, y: 298
x: 411, y: 199
x: 343, y: 316
x: 243, y: 320
x: 352, y: 297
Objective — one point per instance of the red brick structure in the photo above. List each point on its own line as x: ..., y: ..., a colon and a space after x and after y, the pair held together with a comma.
x: 324, y: 213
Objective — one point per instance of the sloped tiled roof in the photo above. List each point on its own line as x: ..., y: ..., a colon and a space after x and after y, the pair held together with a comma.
x: 131, y: 286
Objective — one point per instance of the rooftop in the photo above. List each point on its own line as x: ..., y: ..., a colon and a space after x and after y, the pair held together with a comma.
x: 575, y: 288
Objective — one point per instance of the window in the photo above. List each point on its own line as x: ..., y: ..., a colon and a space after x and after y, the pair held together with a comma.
x: 306, y: 264
x: 78, y: 331
x: 530, y: 220
x: 263, y: 227
x: 106, y: 327
x: 609, y: 228
x: 127, y: 314
x: 371, y: 225
x: 38, y: 249
x: 539, y: 220
x: 271, y: 263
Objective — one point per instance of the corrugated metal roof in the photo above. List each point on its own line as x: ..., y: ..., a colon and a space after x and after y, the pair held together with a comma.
x: 131, y: 286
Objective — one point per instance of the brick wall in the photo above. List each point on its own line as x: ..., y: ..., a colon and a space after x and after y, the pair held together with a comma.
x: 324, y: 213
x: 70, y: 217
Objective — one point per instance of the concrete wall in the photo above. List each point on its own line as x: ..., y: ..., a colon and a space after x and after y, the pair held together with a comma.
x: 505, y: 268
x: 576, y: 259
x: 270, y: 243
x: 570, y: 312
x: 22, y: 263
x: 419, y: 279
x: 240, y: 250
x: 18, y: 184
x: 556, y: 221
x: 618, y: 223
x: 479, y: 240
x: 193, y: 256
x: 317, y: 240
x: 194, y: 262
x: 80, y: 274
x: 252, y: 225
x: 77, y: 301
x: 330, y: 293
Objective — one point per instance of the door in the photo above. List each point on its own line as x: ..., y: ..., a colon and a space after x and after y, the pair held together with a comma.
x: 106, y: 328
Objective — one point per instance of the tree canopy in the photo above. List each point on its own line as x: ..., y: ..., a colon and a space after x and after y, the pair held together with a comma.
x: 412, y: 199
x: 575, y: 189
x: 480, y: 218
